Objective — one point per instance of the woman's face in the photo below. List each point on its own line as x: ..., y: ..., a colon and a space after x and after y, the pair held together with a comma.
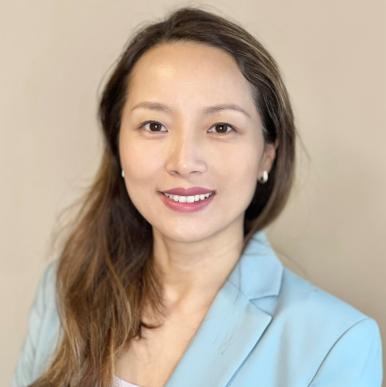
x: 186, y: 145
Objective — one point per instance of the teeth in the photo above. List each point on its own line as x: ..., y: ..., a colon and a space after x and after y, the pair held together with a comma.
x: 188, y: 199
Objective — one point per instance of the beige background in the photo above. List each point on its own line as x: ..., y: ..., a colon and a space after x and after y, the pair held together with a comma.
x: 55, y: 55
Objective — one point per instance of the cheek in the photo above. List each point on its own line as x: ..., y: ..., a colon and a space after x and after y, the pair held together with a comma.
x: 244, y: 178
x: 138, y: 163
x: 140, y: 172
x: 241, y: 175
x: 242, y: 166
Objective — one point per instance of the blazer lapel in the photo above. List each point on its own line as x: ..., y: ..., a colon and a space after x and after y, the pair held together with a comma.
x: 234, y: 323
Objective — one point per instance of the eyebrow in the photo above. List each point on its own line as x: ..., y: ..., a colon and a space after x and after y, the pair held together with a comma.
x: 208, y: 110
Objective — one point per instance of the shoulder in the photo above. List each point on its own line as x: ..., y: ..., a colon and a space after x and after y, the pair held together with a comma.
x: 45, y: 295
x: 42, y: 331
x: 301, y: 298
x: 341, y: 342
x: 338, y: 333
x: 45, y: 307
x: 47, y: 284
x: 297, y: 304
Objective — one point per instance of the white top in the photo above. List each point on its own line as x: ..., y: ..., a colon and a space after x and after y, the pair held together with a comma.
x: 118, y: 382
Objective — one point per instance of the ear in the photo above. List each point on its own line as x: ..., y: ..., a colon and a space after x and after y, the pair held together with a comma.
x: 268, y: 156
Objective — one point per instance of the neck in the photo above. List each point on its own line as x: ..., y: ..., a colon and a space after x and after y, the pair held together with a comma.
x: 193, y: 271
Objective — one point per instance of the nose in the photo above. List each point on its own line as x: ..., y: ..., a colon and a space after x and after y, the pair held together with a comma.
x: 185, y: 155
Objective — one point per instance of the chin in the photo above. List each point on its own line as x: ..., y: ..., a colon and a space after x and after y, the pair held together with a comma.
x: 187, y: 233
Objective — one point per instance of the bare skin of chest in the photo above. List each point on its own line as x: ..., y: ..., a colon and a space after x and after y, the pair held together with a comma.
x: 150, y: 362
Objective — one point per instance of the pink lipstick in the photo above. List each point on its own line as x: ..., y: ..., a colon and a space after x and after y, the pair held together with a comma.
x: 187, y: 199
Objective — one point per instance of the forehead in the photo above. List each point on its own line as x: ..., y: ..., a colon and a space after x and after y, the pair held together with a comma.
x: 188, y: 71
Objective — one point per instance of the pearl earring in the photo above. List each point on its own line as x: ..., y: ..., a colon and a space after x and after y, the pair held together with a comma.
x: 264, y: 178
x: 123, y: 173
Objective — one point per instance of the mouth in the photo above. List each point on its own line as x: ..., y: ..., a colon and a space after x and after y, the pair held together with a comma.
x: 188, y: 198
x: 187, y: 203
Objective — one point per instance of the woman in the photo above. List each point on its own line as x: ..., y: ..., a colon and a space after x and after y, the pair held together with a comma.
x: 167, y: 277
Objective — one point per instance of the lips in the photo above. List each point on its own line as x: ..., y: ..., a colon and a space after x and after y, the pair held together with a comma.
x: 188, y: 191
x: 184, y: 206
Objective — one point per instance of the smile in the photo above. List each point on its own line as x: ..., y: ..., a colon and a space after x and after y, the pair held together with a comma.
x: 190, y: 203
x: 188, y: 199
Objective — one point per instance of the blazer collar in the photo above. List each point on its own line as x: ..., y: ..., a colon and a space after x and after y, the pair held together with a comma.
x: 233, y: 324
x: 259, y: 271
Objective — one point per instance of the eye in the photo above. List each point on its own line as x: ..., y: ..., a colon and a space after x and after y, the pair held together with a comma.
x: 154, y: 126
x: 223, y: 127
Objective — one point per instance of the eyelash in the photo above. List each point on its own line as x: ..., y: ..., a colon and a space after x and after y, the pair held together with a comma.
x: 217, y: 123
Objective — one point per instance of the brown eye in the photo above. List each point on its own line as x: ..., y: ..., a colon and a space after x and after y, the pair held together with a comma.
x: 222, y: 128
x: 153, y: 126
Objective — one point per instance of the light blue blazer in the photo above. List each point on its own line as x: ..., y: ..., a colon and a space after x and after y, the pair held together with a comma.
x: 267, y: 327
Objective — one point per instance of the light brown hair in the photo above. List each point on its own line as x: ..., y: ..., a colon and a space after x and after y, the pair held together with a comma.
x: 105, y: 273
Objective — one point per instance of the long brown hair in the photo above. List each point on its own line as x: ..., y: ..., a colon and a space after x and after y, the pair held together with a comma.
x: 105, y: 273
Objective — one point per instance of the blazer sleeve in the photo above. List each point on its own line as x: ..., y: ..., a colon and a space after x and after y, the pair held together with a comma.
x: 355, y: 360
x: 24, y: 371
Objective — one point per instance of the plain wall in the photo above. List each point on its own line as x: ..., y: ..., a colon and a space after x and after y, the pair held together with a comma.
x: 56, y: 54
